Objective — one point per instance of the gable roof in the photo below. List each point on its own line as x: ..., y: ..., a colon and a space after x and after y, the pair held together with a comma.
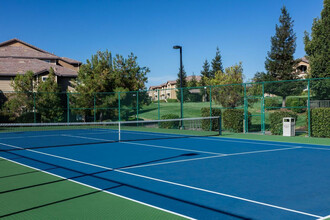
x: 15, y: 40
x: 23, y: 52
x: 7, y: 50
x: 14, y: 66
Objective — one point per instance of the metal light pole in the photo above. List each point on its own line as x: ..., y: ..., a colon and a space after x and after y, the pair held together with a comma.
x: 180, y: 47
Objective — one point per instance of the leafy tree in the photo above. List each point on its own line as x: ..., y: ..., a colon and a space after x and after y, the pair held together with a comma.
x: 216, y: 64
x: 102, y: 74
x: 185, y: 92
x: 280, y: 62
x: 228, y: 95
x: 48, y: 101
x: 22, y: 101
x: 318, y: 50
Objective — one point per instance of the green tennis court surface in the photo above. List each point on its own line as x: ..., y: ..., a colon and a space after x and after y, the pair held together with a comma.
x: 26, y: 193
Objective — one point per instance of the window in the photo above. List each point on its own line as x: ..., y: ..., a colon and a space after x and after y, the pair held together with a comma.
x: 43, y: 78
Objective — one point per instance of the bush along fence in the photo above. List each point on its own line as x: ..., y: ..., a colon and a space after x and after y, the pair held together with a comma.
x: 246, y: 107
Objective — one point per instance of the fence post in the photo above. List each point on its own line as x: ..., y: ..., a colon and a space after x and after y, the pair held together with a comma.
x: 210, y: 108
x: 34, y: 108
x: 246, y: 112
x: 181, y: 108
x: 137, y: 105
x: 158, y: 104
x: 309, y: 108
x: 119, y: 118
x: 94, y: 108
x: 263, y: 109
x: 68, y: 107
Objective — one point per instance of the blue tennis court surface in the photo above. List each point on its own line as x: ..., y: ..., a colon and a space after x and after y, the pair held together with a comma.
x: 199, y: 177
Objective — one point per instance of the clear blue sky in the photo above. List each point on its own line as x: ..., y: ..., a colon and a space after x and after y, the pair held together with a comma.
x: 149, y: 28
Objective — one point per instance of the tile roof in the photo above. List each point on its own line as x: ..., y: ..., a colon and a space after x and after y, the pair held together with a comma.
x: 69, y: 60
x: 14, y: 66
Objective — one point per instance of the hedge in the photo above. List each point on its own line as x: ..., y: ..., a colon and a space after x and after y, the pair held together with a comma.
x: 297, y: 102
x: 233, y: 120
x: 172, y: 100
x: 169, y: 124
x: 273, y: 102
x: 276, y: 120
x: 205, y: 112
x: 320, y: 125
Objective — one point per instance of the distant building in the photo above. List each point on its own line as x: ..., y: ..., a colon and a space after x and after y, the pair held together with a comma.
x: 167, y: 90
x: 18, y: 57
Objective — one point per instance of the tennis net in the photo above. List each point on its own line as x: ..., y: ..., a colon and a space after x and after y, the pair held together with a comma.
x: 40, y: 135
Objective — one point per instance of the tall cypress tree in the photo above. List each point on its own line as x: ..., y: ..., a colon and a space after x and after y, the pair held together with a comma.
x: 185, y: 92
x: 216, y: 63
x: 280, y: 62
x: 318, y: 50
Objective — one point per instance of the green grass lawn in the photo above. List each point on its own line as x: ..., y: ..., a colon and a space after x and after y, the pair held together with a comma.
x: 193, y: 109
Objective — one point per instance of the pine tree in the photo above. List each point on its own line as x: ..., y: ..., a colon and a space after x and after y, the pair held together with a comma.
x: 280, y: 62
x: 216, y: 64
x: 205, y: 73
x: 185, y: 92
x: 193, y: 82
x: 318, y: 50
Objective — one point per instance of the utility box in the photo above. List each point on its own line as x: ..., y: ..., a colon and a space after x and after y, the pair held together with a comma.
x: 289, y: 126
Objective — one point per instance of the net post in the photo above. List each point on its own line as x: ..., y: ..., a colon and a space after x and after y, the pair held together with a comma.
x: 220, y: 126
x: 119, y: 131
x: 137, y: 105
x: 119, y: 106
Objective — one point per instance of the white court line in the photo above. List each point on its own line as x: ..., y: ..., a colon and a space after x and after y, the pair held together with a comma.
x: 219, y: 139
x: 324, y: 218
x: 101, y: 190
x: 53, y: 135
x: 210, y: 157
x: 173, y: 183
x: 149, y: 145
x: 317, y: 148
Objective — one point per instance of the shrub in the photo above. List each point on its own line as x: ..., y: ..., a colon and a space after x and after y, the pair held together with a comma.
x: 276, y: 118
x: 320, y: 126
x: 233, y: 120
x: 169, y: 124
x: 28, y: 117
x: 273, y: 102
x: 205, y: 112
x: 172, y: 100
x: 297, y: 102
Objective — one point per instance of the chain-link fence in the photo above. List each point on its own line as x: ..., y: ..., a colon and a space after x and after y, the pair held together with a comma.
x: 247, y: 107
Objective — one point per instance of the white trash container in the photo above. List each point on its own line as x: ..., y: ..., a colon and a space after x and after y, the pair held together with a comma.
x: 289, y: 126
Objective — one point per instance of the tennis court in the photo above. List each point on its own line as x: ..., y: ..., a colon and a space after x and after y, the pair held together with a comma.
x: 139, y: 172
